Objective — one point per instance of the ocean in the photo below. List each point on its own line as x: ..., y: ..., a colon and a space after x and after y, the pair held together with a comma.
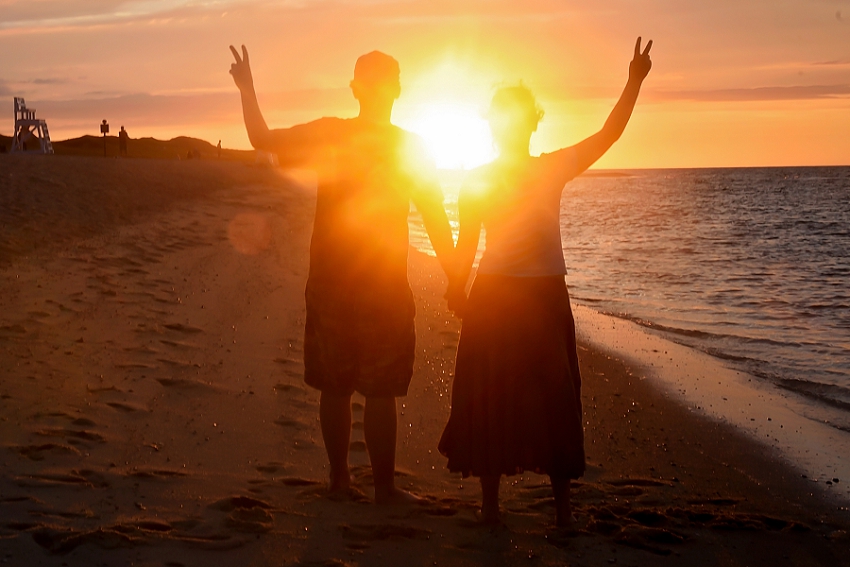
x: 749, y: 265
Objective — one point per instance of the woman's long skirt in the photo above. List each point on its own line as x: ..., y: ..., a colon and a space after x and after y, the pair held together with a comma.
x: 516, y: 398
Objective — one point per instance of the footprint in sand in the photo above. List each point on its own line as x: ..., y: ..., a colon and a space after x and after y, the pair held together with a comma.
x: 177, y: 344
x: 327, y: 562
x: 50, y: 414
x: 649, y: 539
x: 270, y: 468
x: 75, y: 437
x: 180, y: 328
x: 178, y: 363
x: 127, y: 534
x: 295, y: 481
x: 185, y: 384
x: 233, y: 502
x: 638, y: 482
x: 144, y: 349
x: 11, y: 330
x: 254, y: 520
x: 135, y: 366
x: 246, y: 514
x: 61, y: 542
x: 715, y: 501
x: 38, y: 314
x: 258, y: 484
x: 39, y: 452
x: 78, y: 478
x: 382, y: 532
x: 627, y: 491
x: 156, y: 474
x: 125, y: 407
x: 285, y: 422
x: 648, y: 517
x: 280, y: 387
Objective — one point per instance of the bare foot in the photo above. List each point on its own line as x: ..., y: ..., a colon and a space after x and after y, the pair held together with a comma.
x: 350, y: 494
x: 489, y: 518
x: 340, y: 484
x: 396, y: 497
x: 565, y: 520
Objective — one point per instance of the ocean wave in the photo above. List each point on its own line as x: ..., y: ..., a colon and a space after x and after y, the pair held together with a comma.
x: 831, y: 394
x: 699, y: 334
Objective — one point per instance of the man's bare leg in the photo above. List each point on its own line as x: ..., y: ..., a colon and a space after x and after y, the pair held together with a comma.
x: 335, y: 417
x: 563, y: 508
x: 380, y: 424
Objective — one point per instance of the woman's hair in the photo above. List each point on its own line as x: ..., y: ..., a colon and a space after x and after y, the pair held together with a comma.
x: 516, y: 98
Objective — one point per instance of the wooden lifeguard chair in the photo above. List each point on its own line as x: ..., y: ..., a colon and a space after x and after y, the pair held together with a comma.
x: 28, y: 127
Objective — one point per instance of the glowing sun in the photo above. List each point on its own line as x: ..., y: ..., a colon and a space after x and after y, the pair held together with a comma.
x: 455, y: 134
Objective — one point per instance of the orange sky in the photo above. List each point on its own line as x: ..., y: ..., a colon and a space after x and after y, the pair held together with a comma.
x: 734, y: 82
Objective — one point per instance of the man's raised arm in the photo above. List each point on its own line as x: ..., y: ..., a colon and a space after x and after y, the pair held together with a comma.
x: 255, y: 124
x: 292, y: 145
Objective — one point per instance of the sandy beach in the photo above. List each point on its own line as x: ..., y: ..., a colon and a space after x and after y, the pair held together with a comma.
x: 153, y: 411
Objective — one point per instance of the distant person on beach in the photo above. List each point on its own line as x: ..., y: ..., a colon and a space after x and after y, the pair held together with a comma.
x: 516, y: 397
x: 359, y: 332
x: 218, y: 150
x: 122, y: 141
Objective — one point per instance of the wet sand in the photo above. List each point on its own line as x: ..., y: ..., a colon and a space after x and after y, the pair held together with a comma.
x: 152, y: 409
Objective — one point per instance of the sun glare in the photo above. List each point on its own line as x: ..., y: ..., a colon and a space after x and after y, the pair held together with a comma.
x: 455, y: 134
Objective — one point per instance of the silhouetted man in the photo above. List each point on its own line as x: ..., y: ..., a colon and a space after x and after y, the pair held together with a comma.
x: 359, y: 332
x: 123, y: 136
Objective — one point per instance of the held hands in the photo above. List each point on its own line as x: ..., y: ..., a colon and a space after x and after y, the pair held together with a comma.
x: 638, y: 68
x: 456, y: 298
x: 241, y: 69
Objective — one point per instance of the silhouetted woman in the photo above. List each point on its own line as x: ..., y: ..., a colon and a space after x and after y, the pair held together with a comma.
x: 516, y: 398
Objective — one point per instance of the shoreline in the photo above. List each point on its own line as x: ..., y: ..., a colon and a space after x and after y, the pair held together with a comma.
x: 713, y: 389
x: 154, y: 410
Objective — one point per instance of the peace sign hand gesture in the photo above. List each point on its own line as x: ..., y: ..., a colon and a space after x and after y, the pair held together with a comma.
x: 641, y: 63
x: 241, y: 69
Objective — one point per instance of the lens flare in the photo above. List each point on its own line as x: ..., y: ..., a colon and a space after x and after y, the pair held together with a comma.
x: 249, y: 233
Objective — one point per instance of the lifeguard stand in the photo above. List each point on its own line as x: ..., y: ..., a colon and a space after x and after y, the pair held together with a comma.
x: 28, y: 127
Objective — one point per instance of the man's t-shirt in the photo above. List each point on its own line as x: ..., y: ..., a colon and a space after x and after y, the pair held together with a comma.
x: 367, y: 176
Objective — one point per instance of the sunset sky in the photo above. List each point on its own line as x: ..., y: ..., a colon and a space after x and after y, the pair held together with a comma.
x: 734, y: 82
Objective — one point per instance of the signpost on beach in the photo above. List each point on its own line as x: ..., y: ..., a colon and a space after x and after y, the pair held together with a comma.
x: 104, y: 129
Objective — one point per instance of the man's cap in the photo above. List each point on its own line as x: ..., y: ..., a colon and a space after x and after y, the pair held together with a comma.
x: 375, y: 68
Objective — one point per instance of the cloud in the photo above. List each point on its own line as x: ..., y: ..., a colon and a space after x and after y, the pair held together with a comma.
x: 17, y: 11
x: 833, y: 62
x: 810, y: 92
x: 50, y: 81
x: 29, y: 15
x: 4, y: 90
x: 440, y: 11
x: 161, y: 110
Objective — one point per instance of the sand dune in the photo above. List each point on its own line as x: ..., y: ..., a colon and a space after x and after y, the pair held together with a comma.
x: 153, y: 412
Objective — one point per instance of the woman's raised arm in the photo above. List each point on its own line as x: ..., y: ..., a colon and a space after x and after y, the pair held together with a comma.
x: 591, y: 149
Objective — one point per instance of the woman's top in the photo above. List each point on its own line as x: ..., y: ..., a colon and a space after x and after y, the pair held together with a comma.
x: 520, y: 206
